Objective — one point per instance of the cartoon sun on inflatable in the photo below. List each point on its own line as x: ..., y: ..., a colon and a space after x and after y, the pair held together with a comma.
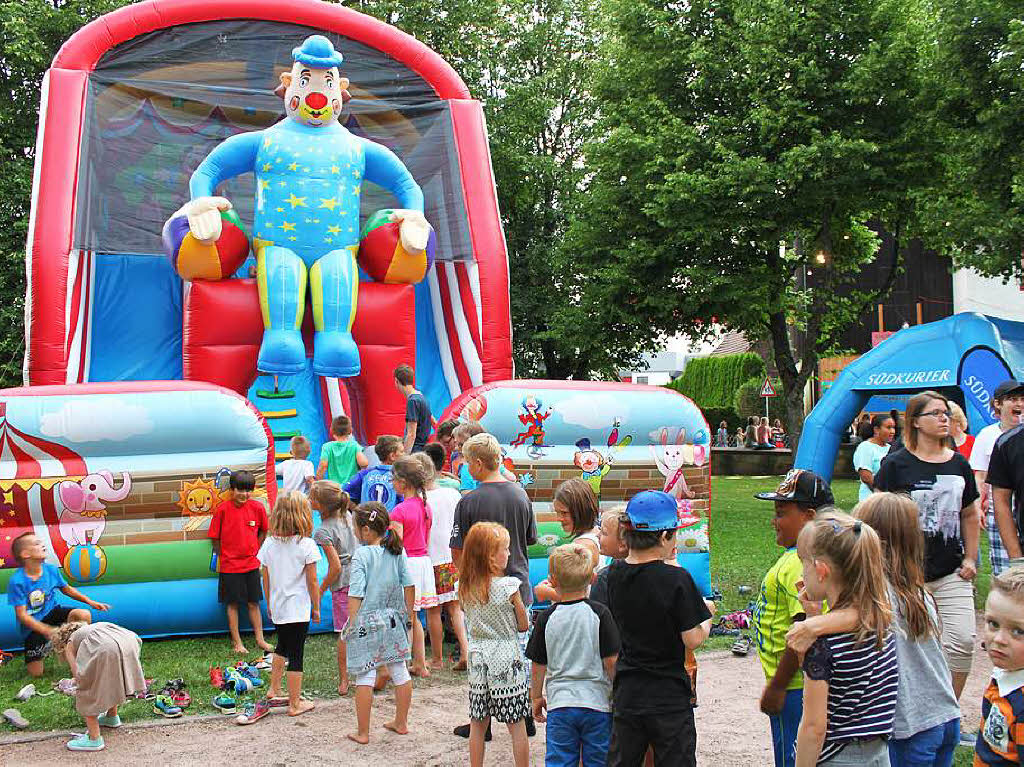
x: 196, y: 501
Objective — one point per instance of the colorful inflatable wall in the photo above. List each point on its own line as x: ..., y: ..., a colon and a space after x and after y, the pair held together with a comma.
x: 621, y: 438
x: 120, y: 481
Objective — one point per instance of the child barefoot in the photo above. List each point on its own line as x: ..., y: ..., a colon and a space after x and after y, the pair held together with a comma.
x: 380, y: 611
x: 104, y: 660
x: 495, y: 614
x: 288, y: 557
x: 338, y: 541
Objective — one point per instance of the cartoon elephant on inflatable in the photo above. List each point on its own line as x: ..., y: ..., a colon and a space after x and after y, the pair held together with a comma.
x: 84, y: 510
x: 309, y: 170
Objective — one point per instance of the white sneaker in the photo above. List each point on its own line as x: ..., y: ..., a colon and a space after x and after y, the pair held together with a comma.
x: 26, y: 692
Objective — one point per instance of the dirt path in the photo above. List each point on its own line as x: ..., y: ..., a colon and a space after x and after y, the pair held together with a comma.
x: 729, y: 726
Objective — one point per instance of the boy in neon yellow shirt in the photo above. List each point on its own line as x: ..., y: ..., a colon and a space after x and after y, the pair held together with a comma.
x: 797, y: 499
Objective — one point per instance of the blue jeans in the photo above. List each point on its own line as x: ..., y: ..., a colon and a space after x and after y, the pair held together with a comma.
x: 577, y: 736
x: 784, y: 727
x: 929, y: 748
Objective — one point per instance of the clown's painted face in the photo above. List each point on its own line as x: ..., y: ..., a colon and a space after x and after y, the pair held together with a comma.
x: 313, y: 96
x: 589, y: 460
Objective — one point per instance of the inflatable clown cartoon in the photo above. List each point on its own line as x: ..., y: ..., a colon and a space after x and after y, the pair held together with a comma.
x: 309, y: 170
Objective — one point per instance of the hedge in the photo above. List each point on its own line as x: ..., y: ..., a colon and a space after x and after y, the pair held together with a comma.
x: 711, y: 382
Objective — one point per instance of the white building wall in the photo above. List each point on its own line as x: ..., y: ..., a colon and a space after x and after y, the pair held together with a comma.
x: 987, y: 295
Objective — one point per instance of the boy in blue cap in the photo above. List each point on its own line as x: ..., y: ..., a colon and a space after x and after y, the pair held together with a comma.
x: 660, y: 613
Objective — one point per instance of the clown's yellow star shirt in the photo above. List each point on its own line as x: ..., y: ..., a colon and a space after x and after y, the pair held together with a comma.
x: 308, y: 182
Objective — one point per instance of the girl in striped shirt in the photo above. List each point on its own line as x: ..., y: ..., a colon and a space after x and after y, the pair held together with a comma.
x: 850, y: 679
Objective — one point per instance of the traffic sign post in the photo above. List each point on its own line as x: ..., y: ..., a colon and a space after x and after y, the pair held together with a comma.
x: 767, y: 390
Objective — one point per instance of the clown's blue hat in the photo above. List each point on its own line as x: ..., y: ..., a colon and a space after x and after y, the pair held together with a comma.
x: 583, y: 444
x: 317, y: 52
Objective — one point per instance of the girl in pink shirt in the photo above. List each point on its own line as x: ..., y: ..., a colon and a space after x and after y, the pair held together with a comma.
x: 412, y: 519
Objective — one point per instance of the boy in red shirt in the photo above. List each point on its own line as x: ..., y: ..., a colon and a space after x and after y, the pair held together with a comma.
x: 238, y: 528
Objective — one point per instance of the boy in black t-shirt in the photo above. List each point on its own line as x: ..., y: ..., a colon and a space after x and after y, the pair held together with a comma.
x: 660, y: 614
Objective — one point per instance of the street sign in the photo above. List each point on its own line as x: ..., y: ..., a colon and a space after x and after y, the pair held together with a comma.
x: 767, y: 390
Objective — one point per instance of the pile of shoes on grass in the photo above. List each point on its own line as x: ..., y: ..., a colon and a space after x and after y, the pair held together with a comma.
x: 238, y: 685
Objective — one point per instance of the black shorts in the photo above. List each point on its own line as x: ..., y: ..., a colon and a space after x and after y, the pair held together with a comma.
x: 37, y: 646
x: 240, y: 588
x: 673, y: 736
x: 291, y: 643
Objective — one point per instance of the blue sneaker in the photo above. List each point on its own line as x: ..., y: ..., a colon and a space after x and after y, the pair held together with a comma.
x: 113, y: 722
x: 164, y: 705
x: 225, y: 704
x: 252, y: 673
x: 85, y: 743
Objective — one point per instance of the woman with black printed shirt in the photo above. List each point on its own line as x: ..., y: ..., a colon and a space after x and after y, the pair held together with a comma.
x: 941, y: 483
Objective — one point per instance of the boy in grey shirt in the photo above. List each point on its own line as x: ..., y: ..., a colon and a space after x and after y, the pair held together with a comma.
x: 575, y: 645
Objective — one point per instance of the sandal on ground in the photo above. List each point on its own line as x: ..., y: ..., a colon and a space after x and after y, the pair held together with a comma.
x: 741, y: 647
x: 85, y: 743
x: 14, y: 717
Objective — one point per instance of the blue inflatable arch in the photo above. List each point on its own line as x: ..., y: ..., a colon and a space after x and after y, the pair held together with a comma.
x: 964, y: 356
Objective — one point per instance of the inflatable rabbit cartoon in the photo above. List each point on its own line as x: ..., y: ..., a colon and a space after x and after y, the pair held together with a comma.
x: 673, y: 458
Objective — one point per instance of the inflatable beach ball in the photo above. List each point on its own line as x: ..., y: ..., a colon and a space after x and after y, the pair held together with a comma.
x: 382, y: 256
x: 193, y: 260
x: 85, y: 564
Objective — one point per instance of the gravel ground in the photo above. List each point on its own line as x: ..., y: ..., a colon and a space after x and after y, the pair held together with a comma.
x: 730, y: 730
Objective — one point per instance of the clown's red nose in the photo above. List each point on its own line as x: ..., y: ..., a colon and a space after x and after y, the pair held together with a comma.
x: 316, y: 101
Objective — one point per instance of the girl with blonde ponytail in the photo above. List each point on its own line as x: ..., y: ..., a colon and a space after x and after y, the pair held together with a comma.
x: 412, y: 519
x: 850, y: 678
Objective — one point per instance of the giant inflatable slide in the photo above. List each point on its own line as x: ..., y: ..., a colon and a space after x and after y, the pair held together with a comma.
x: 245, y: 215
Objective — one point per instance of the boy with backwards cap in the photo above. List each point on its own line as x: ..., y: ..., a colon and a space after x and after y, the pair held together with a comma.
x: 797, y: 499
x: 660, y: 613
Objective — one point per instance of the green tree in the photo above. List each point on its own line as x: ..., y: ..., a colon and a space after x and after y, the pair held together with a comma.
x: 745, y: 145
x: 32, y: 31
x: 975, y: 211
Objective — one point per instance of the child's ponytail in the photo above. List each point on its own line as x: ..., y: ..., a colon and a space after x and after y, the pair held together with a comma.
x: 392, y: 541
x: 375, y: 516
x: 329, y: 496
x: 412, y: 472
x: 854, y: 551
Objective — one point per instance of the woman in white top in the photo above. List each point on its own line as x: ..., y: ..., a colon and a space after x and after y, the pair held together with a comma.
x: 1008, y: 406
x: 576, y: 507
x: 869, y: 453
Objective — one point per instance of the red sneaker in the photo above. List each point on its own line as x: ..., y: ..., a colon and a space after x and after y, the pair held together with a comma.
x: 216, y: 677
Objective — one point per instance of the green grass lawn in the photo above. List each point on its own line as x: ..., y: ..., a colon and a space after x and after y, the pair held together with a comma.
x: 742, y: 549
x: 165, y: 659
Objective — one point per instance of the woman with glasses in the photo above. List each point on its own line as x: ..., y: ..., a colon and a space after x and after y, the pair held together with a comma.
x: 940, y: 481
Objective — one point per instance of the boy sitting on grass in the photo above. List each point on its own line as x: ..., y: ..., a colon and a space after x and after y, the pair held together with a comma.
x: 31, y: 593
x: 575, y: 645
x: 797, y: 499
x: 660, y: 613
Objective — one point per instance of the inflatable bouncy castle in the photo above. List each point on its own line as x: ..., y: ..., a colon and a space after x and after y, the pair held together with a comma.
x: 245, y: 215
x: 620, y: 438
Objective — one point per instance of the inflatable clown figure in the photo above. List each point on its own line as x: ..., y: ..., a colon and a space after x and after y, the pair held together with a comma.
x: 309, y: 170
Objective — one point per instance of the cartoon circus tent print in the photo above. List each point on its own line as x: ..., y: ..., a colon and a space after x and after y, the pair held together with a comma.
x: 30, y: 468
